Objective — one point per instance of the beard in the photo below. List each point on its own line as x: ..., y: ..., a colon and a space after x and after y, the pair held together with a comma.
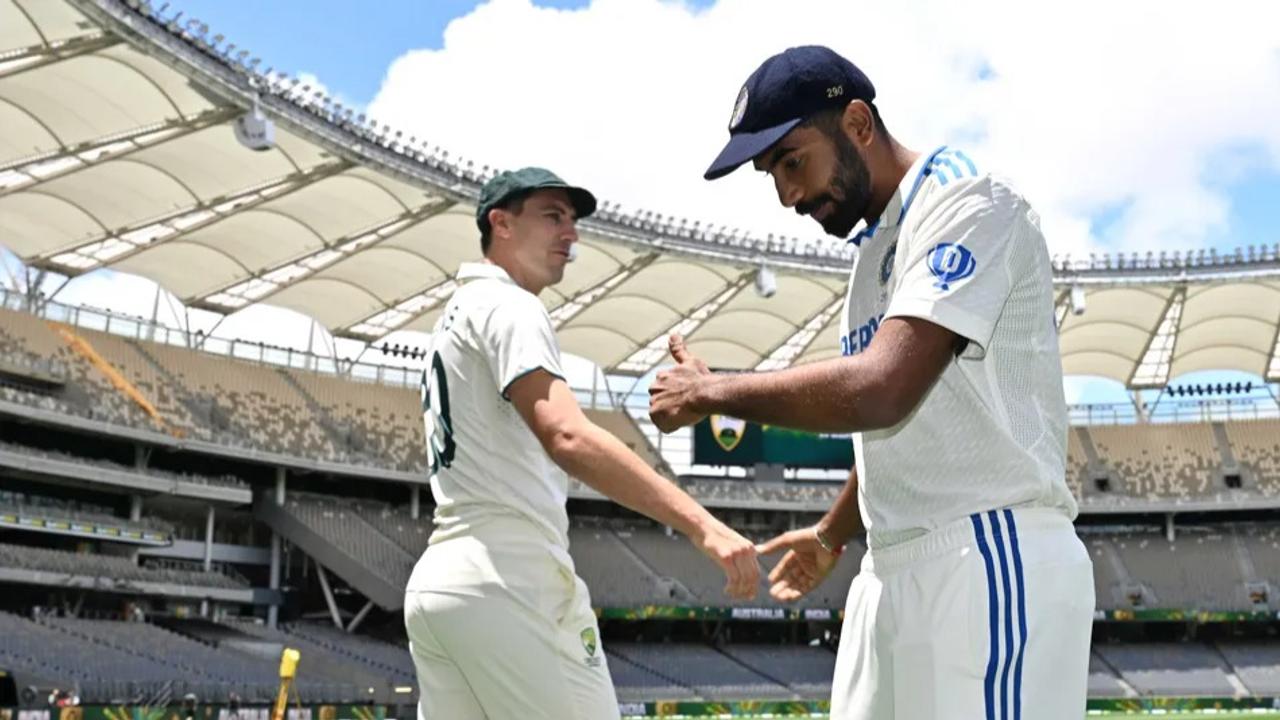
x: 850, y: 191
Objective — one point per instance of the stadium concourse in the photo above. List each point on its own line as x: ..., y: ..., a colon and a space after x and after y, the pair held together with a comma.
x: 176, y: 508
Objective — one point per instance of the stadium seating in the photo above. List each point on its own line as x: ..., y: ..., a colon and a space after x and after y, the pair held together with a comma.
x: 1103, y: 682
x: 1159, y: 460
x: 1256, y: 444
x: 1257, y: 664
x: 615, y: 575
x: 383, y: 659
x: 108, y: 568
x: 710, y: 673
x: 1169, y: 668
x: 1196, y: 571
x: 49, y: 509
x: 242, y: 403
x: 223, y: 480
x: 380, y: 422
x: 806, y: 670
x: 115, y: 662
x: 634, y: 682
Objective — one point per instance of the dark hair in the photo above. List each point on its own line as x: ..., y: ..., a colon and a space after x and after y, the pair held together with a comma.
x: 513, y: 203
x: 828, y: 121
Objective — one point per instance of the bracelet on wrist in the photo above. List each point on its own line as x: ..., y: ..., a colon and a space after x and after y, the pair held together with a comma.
x: 825, y: 542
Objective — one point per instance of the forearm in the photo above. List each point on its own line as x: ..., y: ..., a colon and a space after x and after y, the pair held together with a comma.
x: 603, y: 462
x: 843, y: 521
x: 839, y: 395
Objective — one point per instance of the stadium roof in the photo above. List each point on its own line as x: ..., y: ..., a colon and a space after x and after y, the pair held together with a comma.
x: 119, y: 152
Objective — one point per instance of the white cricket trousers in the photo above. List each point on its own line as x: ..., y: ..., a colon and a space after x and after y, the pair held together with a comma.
x: 988, y: 618
x: 502, y: 630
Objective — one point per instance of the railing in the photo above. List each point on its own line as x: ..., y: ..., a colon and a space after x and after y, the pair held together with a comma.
x: 137, y: 328
x: 1180, y: 411
x: 1169, y: 260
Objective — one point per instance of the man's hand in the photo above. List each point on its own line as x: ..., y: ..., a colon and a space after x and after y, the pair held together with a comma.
x: 802, y: 569
x: 672, y: 391
x: 735, y: 555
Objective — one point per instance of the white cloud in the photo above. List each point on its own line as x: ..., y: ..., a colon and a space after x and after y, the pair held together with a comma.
x: 313, y: 83
x: 1088, y: 106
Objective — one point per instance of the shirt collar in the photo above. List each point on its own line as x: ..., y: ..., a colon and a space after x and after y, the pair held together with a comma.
x: 898, y: 205
x: 476, y: 270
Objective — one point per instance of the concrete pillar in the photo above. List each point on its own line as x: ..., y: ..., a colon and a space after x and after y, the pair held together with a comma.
x: 273, y: 611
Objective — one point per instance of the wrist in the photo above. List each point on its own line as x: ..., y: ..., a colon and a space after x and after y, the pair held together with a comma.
x: 821, y: 533
x: 705, y: 398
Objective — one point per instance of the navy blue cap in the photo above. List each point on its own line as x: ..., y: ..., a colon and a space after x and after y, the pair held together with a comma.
x: 784, y: 91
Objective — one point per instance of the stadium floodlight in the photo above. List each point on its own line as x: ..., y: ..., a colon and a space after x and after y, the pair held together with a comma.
x: 766, y: 282
x: 1077, y: 300
x: 255, y: 130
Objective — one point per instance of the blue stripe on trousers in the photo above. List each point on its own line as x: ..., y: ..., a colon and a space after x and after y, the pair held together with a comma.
x: 989, y: 681
x: 1022, y: 615
x: 997, y: 537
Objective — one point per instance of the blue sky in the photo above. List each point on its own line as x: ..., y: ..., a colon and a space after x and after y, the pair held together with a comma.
x: 348, y: 45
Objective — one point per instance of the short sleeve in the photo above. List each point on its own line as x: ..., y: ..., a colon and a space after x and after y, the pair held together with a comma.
x: 518, y: 339
x: 960, y: 261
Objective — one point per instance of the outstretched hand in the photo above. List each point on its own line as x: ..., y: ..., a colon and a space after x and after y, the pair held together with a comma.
x: 804, y: 566
x: 672, y: 392
x: 736, y: 555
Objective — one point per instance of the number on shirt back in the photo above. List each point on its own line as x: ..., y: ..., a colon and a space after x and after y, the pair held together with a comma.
x: 435, y: 414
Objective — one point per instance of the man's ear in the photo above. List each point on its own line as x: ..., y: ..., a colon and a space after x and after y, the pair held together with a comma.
x: 859, y: 122
x: 499, y: 218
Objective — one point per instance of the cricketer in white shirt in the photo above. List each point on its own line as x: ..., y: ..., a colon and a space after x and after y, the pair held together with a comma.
x: 499, y: 624
x: 975, y: 598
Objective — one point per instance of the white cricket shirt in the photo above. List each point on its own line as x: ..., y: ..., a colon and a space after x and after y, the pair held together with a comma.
x: 962, y: 249
x: 487, y: 465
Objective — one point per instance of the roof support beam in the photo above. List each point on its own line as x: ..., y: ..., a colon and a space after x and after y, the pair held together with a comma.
x: 262, y: 285
x: 41, y: 55
x: 424, y: 301
x: 1061, y: 306
x: 399, y: 315
x: 28, y: 173
x: 1152, y: 369
x: 585, y: 297
x: 118, y: 245
x: 643, y: 360
x: 798, y: 344
x: 1272, y: 373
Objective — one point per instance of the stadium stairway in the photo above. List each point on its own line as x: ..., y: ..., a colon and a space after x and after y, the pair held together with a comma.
x: 180, y: 391
x: 117, y: 379
x: 341, y: 541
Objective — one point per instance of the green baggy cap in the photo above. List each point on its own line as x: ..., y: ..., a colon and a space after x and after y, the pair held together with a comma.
x: 512, y: 182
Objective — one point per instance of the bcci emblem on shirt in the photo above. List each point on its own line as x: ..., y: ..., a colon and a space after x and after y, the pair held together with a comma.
x: 950, y: 263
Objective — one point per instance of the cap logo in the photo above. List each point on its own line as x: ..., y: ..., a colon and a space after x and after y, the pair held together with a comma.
x: 835, y: 91
x: 739, y: 109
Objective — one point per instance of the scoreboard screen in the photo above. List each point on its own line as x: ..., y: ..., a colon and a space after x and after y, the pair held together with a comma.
x: 722, y: 440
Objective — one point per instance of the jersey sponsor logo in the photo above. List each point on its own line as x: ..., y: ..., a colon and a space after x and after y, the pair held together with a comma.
x: 950, y: 263
x: 727, y: 431
x: 860, y: 337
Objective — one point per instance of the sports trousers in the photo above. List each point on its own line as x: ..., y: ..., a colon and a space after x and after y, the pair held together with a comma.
x: 988, y: 618
x: 501, y: 630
